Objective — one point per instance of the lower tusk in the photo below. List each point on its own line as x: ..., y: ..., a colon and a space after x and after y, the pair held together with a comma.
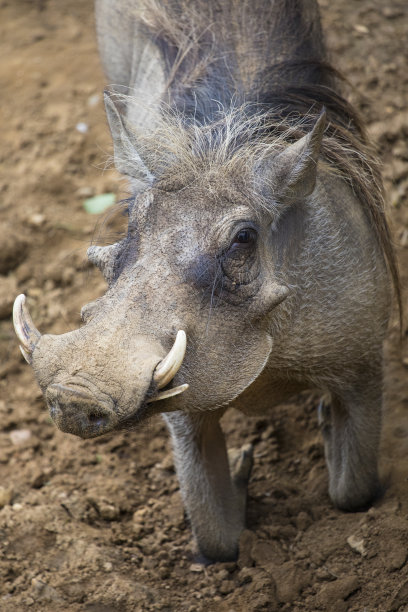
x: 168, y: 393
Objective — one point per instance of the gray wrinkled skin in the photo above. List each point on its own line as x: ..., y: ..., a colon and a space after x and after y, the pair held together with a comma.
x: 305, y: 305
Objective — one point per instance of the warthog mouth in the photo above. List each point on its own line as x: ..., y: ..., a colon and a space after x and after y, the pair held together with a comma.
x: 75, y: 410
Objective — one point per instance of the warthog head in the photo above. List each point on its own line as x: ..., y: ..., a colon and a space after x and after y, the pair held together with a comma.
x: 191, y: 288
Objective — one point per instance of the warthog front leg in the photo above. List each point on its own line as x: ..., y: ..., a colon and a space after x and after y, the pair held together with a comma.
x: 351, y: 426
x: 213, y: 483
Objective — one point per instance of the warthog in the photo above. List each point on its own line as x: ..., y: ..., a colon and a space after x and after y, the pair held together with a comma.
x: 257, y: 261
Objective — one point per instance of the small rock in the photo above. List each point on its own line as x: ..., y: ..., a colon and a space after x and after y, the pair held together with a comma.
x: 94, y: 100
x: 260, y: 592
x: 290, y: 581
x: 361, y: 29
x: 357, y: 545
x: 108, y: 511
x: 196, y: 568
x: 19, y: 436
x: 36, y: 220
x: 139, y: 516
x: 226, y: 587
x: 323, y: 574
x: 337, y: 591
x: 390, y: 12
x: 222, y: 574
x: 107, y: 566
x: 82, y: 127
x: 85, y: 192
x: 5, y: 496
x: 395, y: 558
x: 38, y: 584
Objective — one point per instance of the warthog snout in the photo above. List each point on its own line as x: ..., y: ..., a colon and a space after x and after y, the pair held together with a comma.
x: 89, y: 396
x: 75, y: 410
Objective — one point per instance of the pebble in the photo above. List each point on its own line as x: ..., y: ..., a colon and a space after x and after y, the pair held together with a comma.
x: 395, y: 558
x: 5, y: 496
x: 323, y: 574
x: 85, y: 192
x: 361, y: 29
x: 82, y: 127
x: 19, y: 436
x: 222, y: 575
x: 196, y: 568
x: 390, y: 12
x: 357, y: 544
x: 226, y: 587
x: 94, y: 100
x: 337, y: 591
x: 290, y: 581
x: 108, y: 511
x: 36, y: 220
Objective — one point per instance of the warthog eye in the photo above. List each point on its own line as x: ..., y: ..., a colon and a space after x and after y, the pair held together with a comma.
x: 244, y: 239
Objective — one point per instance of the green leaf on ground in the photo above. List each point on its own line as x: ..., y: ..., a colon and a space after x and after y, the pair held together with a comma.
x: 98, y: 204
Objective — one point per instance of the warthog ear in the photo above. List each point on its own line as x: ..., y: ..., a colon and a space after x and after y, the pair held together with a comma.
x: 103, y: 257
x: 127, y: 159
x: 292, y: 173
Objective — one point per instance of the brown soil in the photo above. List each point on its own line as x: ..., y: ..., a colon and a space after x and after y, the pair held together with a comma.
x: 98, y: 525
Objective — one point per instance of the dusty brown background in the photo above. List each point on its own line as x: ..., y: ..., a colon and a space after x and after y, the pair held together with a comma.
x: 98, y: 525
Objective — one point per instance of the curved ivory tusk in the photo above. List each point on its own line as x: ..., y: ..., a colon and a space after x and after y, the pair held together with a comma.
x: 168, y: 393
x: 170, y: 365
x: 24, y: 327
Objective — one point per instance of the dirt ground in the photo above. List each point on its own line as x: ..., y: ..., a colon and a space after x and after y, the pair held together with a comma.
x: 98, y: 525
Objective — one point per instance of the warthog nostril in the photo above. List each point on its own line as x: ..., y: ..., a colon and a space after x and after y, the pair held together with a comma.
x: 98, y: 420
x: 77, y: 411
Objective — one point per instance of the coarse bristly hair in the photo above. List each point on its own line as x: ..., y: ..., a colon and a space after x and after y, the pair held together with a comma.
x: 243, y: 79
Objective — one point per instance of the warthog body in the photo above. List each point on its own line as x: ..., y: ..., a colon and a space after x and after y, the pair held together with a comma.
x: 257, y: 226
